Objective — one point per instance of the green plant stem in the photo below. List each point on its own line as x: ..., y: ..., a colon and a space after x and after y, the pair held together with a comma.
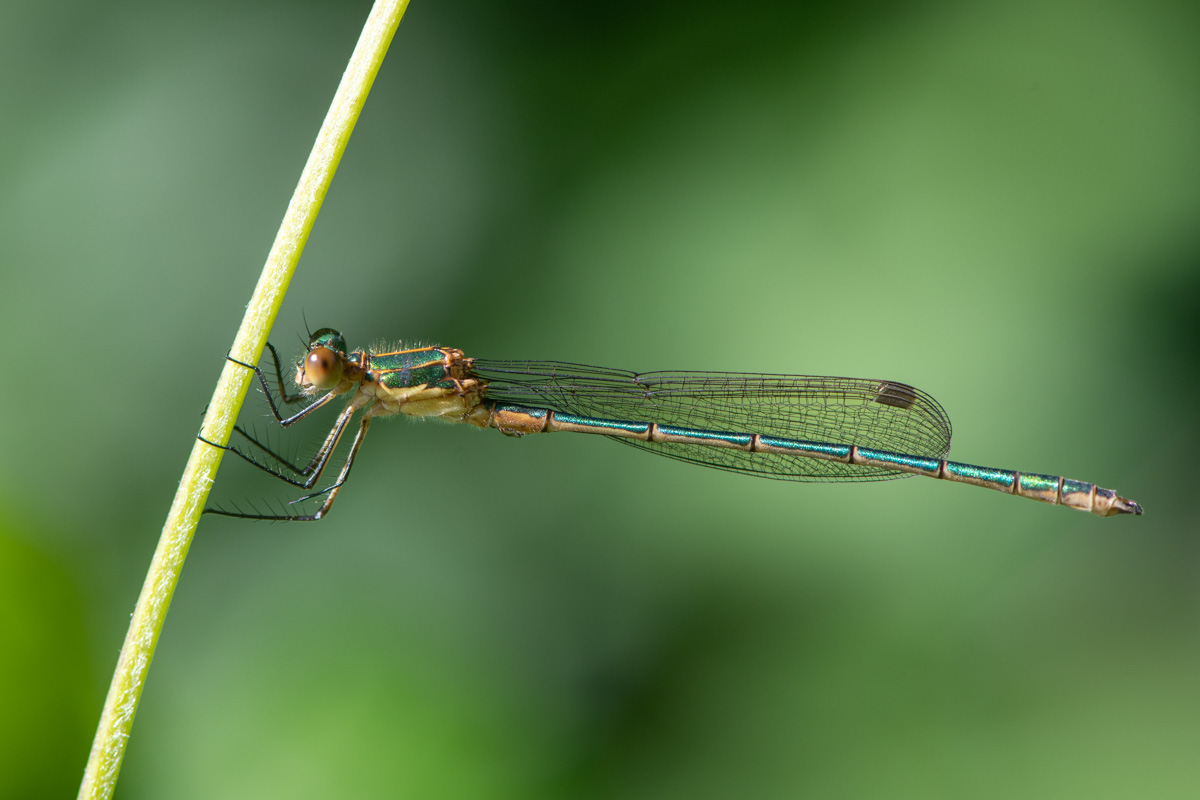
x: 108, y: 749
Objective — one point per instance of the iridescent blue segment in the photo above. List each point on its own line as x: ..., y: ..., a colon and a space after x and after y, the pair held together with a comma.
x: 1039, y: 487
x: 1076, y: 487
x: 1032, y: 482
x: 1077, y: 494
x: 839, y: 452
x: 707, y: 437
x: 916, y: 464
x: 1000, y: 479
x: 609, y: 426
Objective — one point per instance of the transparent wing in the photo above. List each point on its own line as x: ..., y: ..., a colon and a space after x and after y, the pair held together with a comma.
x: 880, y: 414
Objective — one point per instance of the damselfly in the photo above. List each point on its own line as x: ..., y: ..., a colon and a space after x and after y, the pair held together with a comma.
x: 787, y: 427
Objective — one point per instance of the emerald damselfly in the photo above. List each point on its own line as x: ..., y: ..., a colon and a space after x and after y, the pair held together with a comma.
x: 786, y: 427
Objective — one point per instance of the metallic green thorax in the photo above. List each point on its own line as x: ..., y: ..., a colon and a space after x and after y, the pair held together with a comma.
x: 408, y: 368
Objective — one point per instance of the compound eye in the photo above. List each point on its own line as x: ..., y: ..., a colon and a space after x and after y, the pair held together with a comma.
x: 322, y: 367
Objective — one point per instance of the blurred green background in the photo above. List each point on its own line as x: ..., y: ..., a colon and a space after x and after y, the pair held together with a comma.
x: 995, y: 202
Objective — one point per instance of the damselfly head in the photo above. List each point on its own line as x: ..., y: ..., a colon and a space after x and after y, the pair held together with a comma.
x: 321, y: 367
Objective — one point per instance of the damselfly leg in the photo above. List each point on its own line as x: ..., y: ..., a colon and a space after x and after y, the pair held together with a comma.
x: 330, y: 491
x: 310, y: 473
x: 292, y: 399
x: 318, y: 460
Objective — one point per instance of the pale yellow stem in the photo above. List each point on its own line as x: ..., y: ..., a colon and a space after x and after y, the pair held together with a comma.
x: 104, y: 764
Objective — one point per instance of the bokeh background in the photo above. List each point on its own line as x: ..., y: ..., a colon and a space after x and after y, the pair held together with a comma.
x: 996, y: 202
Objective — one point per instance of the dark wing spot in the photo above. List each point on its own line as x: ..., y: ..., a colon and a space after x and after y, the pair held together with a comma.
x: 899, y: 395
